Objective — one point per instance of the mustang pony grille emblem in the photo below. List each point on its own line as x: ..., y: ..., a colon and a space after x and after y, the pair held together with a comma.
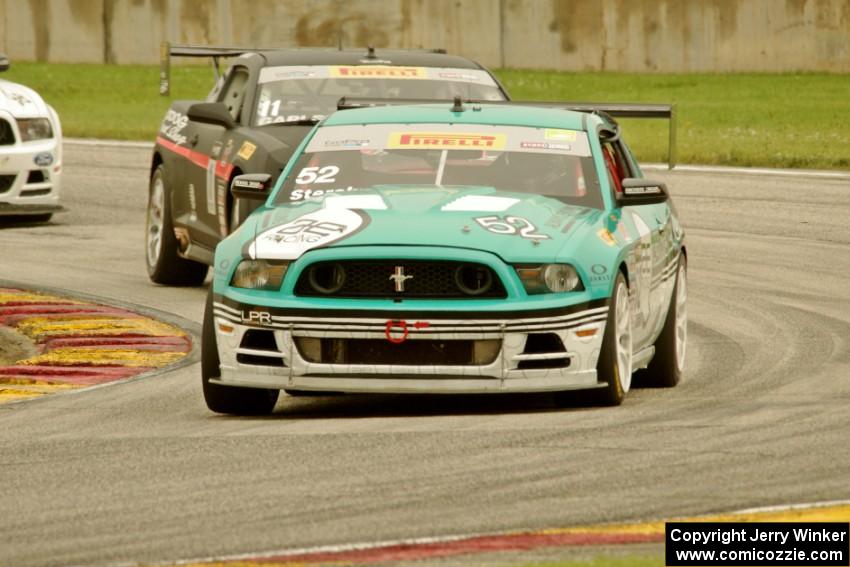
x: 399, y: 278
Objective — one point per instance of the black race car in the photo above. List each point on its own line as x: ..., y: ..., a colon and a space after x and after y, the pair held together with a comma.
x: 252, y: 122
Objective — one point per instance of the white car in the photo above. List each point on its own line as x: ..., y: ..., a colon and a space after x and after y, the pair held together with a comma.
x: 30, y: 152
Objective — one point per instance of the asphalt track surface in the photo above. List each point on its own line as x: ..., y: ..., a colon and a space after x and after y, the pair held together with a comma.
x: 142, y: 472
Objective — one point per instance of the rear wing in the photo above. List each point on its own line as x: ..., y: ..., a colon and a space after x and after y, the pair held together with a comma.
x: 167, y: 51
x: 612, y: 109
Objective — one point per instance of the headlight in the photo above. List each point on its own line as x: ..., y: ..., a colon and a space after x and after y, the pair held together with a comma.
x: 549, y: 278
x: 34, y: 129
x: 259, y: 274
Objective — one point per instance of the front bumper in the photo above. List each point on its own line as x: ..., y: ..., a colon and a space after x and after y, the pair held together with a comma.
x: 28, y: 188
x: 283, y: 366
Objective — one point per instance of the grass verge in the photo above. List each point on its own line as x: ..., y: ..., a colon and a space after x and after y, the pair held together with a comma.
x: 773, y: 120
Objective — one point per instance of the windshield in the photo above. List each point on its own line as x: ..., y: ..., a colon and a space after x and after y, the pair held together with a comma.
x: 298, y: 93
x: 362, y: 158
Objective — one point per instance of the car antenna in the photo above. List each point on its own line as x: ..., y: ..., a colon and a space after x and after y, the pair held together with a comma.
x: 370, y: 52
x: 458, y: 105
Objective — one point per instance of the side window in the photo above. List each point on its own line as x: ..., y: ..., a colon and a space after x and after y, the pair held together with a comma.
x: 233, y: 94
x: 617, y: 164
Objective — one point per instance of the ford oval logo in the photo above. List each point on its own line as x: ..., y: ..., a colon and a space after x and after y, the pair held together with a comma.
x: 43, y: 159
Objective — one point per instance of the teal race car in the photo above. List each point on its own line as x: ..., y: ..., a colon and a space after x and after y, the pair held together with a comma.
x: 449, y: 248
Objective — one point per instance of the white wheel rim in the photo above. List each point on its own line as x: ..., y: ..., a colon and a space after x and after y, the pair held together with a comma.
x: 623, y: 337
x: 681, y: 317
x: 155, y: 221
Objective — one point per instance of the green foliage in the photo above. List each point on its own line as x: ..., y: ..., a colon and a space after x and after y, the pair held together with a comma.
x: 775, y: 120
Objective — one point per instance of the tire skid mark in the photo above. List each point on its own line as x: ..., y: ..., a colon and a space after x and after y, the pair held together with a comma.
x: 81, y: 344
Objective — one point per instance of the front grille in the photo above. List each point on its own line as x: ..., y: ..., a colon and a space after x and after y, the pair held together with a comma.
x: 400, y: 279
x: 7, y: 136
x: 6, y: 181
x: 419, y: 352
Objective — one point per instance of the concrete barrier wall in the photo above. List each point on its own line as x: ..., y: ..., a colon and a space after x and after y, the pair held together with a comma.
x: 609, y: 35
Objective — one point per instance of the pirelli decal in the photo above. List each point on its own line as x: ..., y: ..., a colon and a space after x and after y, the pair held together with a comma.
x: 378, y: 72
x: 446, y: 140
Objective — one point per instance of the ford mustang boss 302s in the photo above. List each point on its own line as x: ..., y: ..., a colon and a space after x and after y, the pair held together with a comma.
x: 449, y: 249
x: 30, y: 153
x: 252, y: 122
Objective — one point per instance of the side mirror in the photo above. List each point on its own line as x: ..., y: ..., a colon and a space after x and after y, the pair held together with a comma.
x: 639, y: 191
x: 215, y: 113
x: 4, y: 62
x: 251, y: 186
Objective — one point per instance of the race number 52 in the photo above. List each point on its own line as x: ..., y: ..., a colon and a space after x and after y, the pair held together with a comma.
x: 510, y: 225
x: 325, y: 174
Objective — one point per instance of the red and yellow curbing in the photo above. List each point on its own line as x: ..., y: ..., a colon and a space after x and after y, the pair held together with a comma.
x: 437, y: 548
x: 78, y: 344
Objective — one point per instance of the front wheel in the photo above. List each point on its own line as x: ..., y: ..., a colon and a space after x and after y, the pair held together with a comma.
x: 665, y: 370
x: 164, y: 264
x: 615, y: 358
x: 228, y: 399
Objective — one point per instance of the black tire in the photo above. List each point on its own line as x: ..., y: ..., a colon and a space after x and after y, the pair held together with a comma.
x: 40, y: 218
x: 665, y: 369
x: 233, y: 400
x: 607, y: 367
x: 164, y: 265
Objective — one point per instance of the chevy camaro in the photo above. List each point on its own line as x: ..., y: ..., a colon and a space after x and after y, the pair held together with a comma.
x: 439, y: 248
x: 252, y: 122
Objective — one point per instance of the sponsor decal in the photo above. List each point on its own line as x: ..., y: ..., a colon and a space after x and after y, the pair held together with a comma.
x: 545, y: 146
x: 43, y: 159
x: 216, y: 149
x: 446, y: 140
x: 257, y: 317
x: 248, y: 184
x: 19, y: 98
x: 319, y: 228
x: 403, y: 327
x: 559, y: 135
x: 172, y: 126
x: 247, y: 150
x: 348, y: 143
x: 606, y: 237
x: 299, y: 194
x: 458, y: 77
x: 294, y: 74
x: 599, y: 273
x: 377, y: 72
x: 228, y: 150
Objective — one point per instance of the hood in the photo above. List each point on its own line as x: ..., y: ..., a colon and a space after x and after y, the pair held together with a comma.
x: 20, y: 101
x: 518, y: 227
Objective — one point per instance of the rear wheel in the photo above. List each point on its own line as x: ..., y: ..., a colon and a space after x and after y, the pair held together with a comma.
x: 164, y: 265
x: 665, y: 370
x: 228, y: 399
